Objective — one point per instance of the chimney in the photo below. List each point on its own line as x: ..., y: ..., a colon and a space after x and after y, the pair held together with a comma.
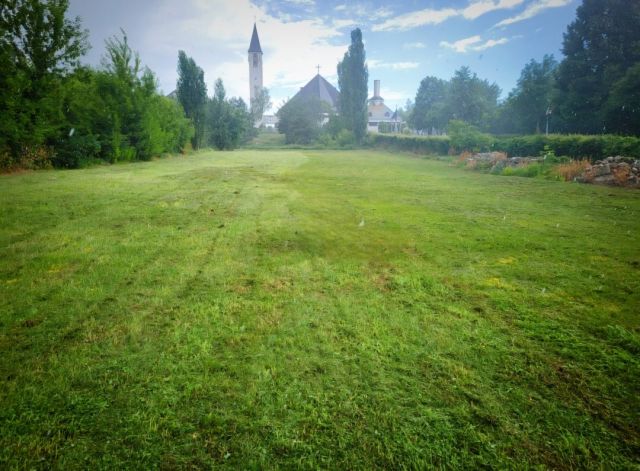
x: 376, y: 88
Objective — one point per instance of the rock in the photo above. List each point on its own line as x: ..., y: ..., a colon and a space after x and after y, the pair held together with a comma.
x: 601, y: 170
x: 605, y: 180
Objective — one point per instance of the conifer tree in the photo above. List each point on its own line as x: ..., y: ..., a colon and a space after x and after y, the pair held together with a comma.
x: 192, y: 94
x: 353, y: 77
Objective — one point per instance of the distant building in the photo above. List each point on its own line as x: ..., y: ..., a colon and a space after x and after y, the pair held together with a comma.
x: 269, y: 121
x: 379, y: 113
x: 319, y: 88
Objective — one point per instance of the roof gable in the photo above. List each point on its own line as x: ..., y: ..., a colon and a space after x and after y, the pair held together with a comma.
x: 318, y: 87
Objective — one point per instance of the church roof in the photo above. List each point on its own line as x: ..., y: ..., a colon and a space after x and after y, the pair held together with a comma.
x: 318, y: 87
x: 255, y: 41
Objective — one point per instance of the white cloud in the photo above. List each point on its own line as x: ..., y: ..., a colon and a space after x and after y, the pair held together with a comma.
x: 380, y: 13
x: 477, y: 9
x: 462, y: 45
x: 532, y: 10
x: 416, y: 45
x: 378, y: 64
x: 430, y: 16
x: 338, y: 24
x: 490, y: 43
x: 414, y: 19
x: 308, y: 3
x: 473, y: 43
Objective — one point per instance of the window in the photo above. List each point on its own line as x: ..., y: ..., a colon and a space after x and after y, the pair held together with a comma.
x: 255, y: 60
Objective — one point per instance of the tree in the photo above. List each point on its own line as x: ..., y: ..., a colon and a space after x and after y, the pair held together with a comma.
x: 353, y: 77
x: 429, y: 109
x: 622, y: 110
x: 229, y: 121
x: 117, y: 113
x: 260, y: 104
x: 192, y: 94
x: 38, y: 46
x: 300, y: 120
x: 471, y: 100
x: 529, y: 101
x: 600, y: 46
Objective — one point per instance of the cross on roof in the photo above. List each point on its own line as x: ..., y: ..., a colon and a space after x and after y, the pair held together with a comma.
x: 318, y: 67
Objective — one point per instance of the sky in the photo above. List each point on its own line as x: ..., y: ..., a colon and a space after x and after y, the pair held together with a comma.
x: 405, y: 41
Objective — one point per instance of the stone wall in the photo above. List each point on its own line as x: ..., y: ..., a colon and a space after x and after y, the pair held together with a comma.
x: 618, y: 170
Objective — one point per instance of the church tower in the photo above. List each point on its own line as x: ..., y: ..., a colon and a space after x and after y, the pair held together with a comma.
x: 255, y: 66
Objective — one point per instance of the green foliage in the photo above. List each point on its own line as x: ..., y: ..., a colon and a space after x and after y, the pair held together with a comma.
x: 76, y: 151
x: 428, y: 112
x: 192, y: 95
x: 525, y: 110
x: 229, y: 121
x: 464, y: 98
x: 600, y: 46
x: 300, y: 120
x: 260, y: 104
x: 574, y: 146
x: 471, y: 99
x: 346, y: 138
x: 116, y: 113
x: 427, y: 145
x: 353, y: 78
x: 465, y: 137
x: 38, y: 45
x: 623, y: 105
x: 528, y: 171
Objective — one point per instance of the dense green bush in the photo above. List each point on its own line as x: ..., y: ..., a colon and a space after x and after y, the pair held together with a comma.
x: 117, y: 114
x: 462, y: 138
x: 76, y: 150
x: 574, y: 146
x: 531, y: 170
x: 465, y: 137
x: 430, y: 145
x: 112, y: 114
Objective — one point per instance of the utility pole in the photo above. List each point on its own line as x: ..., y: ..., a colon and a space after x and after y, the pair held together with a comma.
x: 547, y: 114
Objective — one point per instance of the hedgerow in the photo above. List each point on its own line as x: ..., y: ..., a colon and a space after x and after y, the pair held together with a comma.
x: 574, y: 146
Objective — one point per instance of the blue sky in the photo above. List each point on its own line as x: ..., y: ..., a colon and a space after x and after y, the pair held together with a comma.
x: 405, y: 41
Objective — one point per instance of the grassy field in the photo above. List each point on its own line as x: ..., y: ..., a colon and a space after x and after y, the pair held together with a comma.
x: 293, y: 309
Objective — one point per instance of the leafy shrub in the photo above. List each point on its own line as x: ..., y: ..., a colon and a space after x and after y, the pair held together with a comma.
x: 76, y: 150
x: 429, y: 145
x: 557, y: 148
x: 465, y: 137
x: 573, y: 146
x: 345, y: 138
x: 529, y: 171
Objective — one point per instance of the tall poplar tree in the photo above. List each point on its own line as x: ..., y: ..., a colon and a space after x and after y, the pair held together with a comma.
x: 353, y: 78
x: 192, y: 94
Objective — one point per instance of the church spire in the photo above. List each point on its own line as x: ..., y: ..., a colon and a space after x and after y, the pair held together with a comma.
x: 255, y: 41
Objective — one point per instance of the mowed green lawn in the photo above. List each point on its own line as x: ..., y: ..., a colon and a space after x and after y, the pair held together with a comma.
x: 320, y: 309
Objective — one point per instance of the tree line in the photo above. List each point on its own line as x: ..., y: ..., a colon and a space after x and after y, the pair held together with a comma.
x: 595, y: 89
x: 56, y: 112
